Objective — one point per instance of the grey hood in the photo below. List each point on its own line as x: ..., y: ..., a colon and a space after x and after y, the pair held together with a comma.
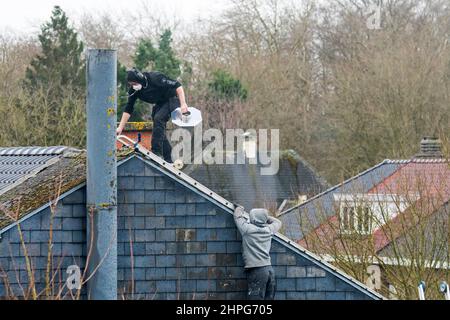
x: 257, y: 231
x: 259, y: 216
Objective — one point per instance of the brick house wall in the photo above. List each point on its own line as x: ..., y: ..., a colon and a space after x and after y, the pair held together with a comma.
x: 133, y: 129
x: 172, y: 244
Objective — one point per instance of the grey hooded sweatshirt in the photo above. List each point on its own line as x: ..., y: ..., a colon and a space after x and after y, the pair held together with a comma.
x: 256, y: 235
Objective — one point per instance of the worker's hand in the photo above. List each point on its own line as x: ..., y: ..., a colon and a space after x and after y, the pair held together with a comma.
x: 184, y: 108
x: 119, y: 131
x: 238, y: 209
x: 237, y: 205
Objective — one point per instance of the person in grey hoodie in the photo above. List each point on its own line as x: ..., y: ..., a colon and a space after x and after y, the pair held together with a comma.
x: 257, y: 234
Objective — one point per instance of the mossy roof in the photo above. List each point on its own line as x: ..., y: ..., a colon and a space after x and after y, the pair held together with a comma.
x: 64, y: 174
x: 245, y: 183
x: 139, y: 126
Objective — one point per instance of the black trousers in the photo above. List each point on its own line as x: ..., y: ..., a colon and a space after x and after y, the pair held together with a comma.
x: 160, y: 115
x: 261, y: 283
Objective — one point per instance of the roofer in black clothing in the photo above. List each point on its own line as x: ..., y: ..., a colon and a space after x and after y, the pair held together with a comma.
x: 166, y: 94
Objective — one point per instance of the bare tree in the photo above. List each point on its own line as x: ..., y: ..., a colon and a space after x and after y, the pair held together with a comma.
x: 103, y: 30
x: 383, y: 89
x: 16, y: 52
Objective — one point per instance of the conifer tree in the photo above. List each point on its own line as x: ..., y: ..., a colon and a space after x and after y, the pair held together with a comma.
x: 60, y: 63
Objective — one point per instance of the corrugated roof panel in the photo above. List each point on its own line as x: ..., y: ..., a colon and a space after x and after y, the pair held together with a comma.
x: 33, y: 151
x: 18, y: 163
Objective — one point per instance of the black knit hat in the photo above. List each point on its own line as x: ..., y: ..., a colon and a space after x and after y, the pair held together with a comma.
x: 135, y: 75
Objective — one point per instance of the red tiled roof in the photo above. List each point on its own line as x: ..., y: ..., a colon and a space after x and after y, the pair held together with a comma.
x: 434, y: 178
x: 429, y: 180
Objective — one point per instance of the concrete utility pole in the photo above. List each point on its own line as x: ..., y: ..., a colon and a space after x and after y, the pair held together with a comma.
x: 101, y: 110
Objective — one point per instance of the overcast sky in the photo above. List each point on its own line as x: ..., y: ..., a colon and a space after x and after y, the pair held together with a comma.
x: 28, y: 15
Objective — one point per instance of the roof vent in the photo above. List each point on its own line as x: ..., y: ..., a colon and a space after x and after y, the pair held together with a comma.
x: 430, y: 147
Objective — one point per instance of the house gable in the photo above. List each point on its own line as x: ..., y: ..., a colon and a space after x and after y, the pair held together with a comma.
x: 320, y: 208
x: 173, y: 242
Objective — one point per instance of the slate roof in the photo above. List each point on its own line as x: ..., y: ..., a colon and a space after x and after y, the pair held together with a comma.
x: 432, y: 176
x: 244, y: 183
x: 434, y: 251
x: 388, y: 177
x: 280, y: 238
x: 324, y: 202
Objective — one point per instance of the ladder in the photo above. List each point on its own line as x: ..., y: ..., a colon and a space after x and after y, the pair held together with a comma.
x: 169, y: 166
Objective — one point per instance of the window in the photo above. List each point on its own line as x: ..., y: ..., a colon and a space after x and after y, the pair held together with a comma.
x: 356, y: 219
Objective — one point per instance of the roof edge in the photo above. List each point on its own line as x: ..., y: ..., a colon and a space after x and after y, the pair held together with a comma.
x: 35, y: 151
x: 39, y: 209
x: 308, y: 165
x: 285, y: 241
x: 335, y: 187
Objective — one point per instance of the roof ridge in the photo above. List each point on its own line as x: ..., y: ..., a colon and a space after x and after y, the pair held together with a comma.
x: 335, y: 187
x: 417, y: 160
x: 35, y: 150
x: 308, y: 165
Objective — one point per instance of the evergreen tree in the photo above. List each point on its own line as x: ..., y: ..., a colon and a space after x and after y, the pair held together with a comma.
x: 149, y: 58
x: 225, y: 86
x: 60, y: 62
x: 145, y: 54
x: 122, y: 91
x: 160, y: 59
x: 166, y: 61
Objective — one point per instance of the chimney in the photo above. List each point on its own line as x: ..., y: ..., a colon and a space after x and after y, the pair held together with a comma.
x: 101, y: 107
x: 249, y: 145
x: 132, y: 131
x: 430, y: 148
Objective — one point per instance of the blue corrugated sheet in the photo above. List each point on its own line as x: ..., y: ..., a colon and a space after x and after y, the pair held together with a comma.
x: 20, y: 162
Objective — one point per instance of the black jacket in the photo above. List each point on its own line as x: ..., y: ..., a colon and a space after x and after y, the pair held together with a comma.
x: 157, y: 89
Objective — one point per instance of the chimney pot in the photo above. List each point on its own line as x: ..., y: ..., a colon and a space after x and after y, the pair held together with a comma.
x: 430, y: 148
